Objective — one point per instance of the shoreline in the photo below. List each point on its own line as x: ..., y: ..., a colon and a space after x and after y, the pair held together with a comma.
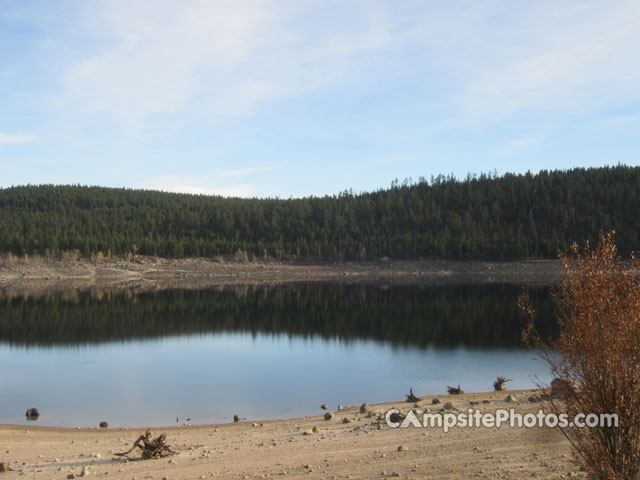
x: 362, y: 446
x: 150, y: 273
x: 424, y: 400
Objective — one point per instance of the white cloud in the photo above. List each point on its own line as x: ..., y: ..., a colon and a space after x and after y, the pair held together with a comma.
x: 208, y: 183
x: 17, y: 138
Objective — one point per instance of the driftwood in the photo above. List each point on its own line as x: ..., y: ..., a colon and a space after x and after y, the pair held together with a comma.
x: 151, y: 448
x: 499, y: 383
x: 454, y: 390
x: 411, y: 397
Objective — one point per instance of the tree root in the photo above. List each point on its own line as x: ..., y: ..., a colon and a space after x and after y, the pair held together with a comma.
x: 151, y: 448
x: 411, y: 397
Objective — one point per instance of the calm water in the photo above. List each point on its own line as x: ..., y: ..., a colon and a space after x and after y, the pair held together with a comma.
x: 143, y: 359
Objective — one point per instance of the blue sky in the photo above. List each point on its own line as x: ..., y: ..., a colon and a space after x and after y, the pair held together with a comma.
x: 311, y: 97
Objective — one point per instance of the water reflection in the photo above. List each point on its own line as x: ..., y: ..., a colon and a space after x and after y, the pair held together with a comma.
x: 441, y: 316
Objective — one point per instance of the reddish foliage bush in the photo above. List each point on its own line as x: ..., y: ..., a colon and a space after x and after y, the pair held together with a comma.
x: 597, y: 355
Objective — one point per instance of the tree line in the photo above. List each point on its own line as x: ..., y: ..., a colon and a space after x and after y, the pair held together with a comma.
x: 514, y: 216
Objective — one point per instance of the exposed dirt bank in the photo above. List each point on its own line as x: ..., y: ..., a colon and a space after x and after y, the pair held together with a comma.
x: 149, y: 273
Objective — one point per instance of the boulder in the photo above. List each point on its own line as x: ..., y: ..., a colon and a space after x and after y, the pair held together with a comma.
x: 561, y: 388
x: 32, y: 414
x: 396, y: 417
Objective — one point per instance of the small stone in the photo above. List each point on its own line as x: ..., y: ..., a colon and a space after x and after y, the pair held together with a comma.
x: 71, y: 476
x: 324, y: 406
x: 396, y: 417
x: 402, y: 448
x: 511, y: 398
x: 346, y: 420
x: 486, y: 401
x: 315, y: 429
x: 329, y: 416
x: 448, y: 406
x: 364, y: 408
x: 435, y: 401
x: 535, y: 398
x: 103, y: 424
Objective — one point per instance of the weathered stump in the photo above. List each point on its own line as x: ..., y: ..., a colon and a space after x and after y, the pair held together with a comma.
x: 411, y: 397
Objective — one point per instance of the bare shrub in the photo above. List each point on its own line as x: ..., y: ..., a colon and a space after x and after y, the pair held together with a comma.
x: 596, y: 357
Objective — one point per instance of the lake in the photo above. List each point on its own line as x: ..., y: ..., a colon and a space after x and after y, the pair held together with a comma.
x: 144, y: 358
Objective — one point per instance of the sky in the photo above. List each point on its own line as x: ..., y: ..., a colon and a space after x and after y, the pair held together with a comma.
x: 291, y: 98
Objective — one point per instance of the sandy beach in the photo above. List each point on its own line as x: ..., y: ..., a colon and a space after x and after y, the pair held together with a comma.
x: 362, y: 446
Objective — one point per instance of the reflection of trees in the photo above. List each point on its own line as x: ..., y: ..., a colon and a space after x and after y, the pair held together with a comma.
x: 442, y: 316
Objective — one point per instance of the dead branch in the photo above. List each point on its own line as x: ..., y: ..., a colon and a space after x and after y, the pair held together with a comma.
x: 151, y: 448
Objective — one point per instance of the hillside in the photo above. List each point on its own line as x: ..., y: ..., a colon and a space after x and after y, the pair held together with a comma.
x: 488, y: 217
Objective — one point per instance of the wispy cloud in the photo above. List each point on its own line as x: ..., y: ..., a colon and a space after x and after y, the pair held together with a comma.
x: 225, y: 58
x: 574, y: 61
x: 17, y: 138
x: 209, y: 183
x: 220, y: 61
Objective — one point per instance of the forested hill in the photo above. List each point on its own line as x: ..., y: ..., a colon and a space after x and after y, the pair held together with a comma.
x: 513, y: 216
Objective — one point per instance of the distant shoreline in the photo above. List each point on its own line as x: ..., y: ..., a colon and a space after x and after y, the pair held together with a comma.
x: 150, y: 273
